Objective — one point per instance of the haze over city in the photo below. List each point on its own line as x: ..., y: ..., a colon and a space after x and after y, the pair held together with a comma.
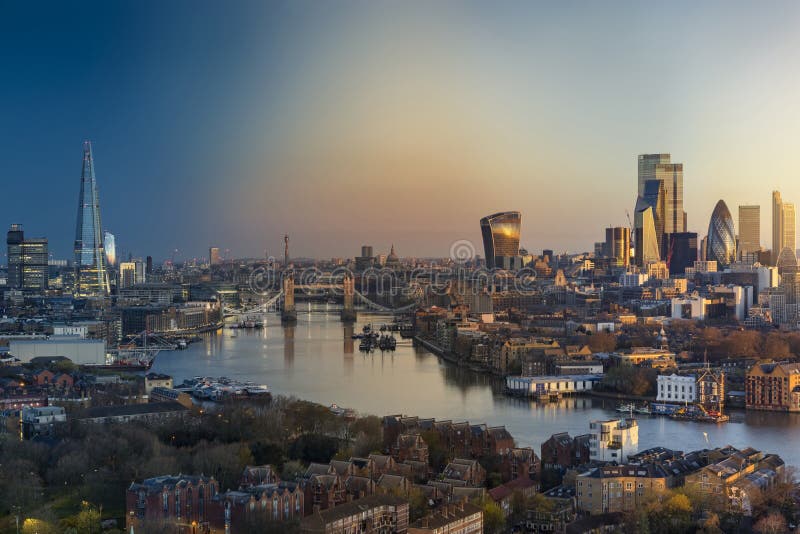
x: 351, y: 122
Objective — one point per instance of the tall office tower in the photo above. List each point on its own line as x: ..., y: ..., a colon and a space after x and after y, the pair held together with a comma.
x: 14, y: 240
x: 788, y: 226
x: 110, y: 245
x: 366, y: 251
x: 501, y: 233
x: 776, y: 226
x: 703, y: 251
x: 213, y: 256
x: 618, y: 245
x: 148, y: 267
x: 721, y: 244
x: 131, y: 273
x: 91, y: 279
x: 647, y: 249
x: 783, y: 226
x: 27, y: 260
x: 35, y: 269
x: 658, y: 167
x: 749, y: 229
x: 682, y: 251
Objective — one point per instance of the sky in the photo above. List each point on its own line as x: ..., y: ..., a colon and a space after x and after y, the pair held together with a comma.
x: 345, y: 123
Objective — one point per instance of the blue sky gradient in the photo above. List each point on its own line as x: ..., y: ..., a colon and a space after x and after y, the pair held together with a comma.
x: 353, y: 122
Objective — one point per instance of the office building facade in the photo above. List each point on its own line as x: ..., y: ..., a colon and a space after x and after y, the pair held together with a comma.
x: 682, y: 251
x: 28, y: 267
x: 721, y: 244
x: 749, y: 229
x: 91, y: 278
x: 783, y: 226
x: 618, y: 245
x: 110, y: 245
x: 659, y: 167
x: 501, y: 234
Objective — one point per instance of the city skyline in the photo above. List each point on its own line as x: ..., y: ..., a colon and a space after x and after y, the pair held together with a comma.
x: 371, y: 108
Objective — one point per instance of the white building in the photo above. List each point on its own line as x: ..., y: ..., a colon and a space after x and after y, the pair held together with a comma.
x: 690, y: 308
x: 77, y: 330
x: 676, y: 388
x: 531, y: 386
x: 614, y: 440
x: 79, y: 351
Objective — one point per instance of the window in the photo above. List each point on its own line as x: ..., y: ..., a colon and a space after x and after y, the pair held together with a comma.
x: 165, y: 501
x: 286, y: 507
x: 275, y: 508
x: 178, y: 503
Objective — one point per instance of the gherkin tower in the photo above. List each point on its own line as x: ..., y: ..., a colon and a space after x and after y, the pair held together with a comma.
x: 91, y: 278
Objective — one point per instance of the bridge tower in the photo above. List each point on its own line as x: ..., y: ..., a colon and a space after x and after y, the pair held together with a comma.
x: 289, y: 313
x: 349, y: 309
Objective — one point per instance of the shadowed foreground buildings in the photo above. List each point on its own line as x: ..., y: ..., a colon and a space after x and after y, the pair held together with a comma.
x: 196, y: 504
x: 376, y: 514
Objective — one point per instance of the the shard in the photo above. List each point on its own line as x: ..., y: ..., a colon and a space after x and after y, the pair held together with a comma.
x: 91, y: 279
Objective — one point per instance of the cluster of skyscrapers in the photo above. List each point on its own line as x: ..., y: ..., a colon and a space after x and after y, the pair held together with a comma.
x: 659, y: 229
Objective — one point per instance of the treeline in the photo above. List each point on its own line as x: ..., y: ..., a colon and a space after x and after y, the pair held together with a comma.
x: 87, y: 469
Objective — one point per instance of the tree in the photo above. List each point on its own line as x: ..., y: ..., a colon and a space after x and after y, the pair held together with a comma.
x: 494, y: 521
x: 775, y: 347
x: 772, y: 523
x: 602, y: 342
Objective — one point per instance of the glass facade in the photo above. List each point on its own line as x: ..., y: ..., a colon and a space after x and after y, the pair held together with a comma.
x: 35, y: 270
x: 501, y: 233
x: 109, y: 242
x: 618, y: 246
x: 14, y: 242
x: 91, y: 279
x: 721, y: 244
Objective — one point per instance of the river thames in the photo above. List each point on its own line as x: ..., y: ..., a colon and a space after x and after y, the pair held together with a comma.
x: 317, y: 360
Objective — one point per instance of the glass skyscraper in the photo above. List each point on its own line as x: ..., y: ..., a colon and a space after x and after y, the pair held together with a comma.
x: 658, y: 167
x: 721, y: 244
x: 91, y: 279
x: 749, y: 229
x: 109, y: 242
x: 501, y: 233
x: 27, y: 260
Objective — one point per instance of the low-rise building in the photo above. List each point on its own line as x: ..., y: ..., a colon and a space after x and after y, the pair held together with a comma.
x: 658, y: 358
x: 613, y: 440
x: 534, y: 386
x: 156, y: 380
x: 736, y: 476
x: 153, y: 412
x: 618, y: 488
x: 44, y: 420
x: 376, y: 514
x: 459, y: 518
x: 773, y: 386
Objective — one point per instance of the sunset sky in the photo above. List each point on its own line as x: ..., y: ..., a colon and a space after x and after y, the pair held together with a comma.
x: 345, y: 123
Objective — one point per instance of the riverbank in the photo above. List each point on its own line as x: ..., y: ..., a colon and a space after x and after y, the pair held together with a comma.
x: 317, y: 360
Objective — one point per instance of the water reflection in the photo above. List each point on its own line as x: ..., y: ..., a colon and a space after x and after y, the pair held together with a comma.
x: 317, y: 360
x: 288, y: 345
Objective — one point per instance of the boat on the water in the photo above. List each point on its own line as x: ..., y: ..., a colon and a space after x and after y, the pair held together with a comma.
x: 626, y: 407
x: 223, y: 389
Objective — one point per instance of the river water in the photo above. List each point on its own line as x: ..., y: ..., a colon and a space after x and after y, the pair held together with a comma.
x: 318, y: 361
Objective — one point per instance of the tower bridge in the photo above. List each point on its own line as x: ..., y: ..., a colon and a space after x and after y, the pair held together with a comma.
x: 352, y: 299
